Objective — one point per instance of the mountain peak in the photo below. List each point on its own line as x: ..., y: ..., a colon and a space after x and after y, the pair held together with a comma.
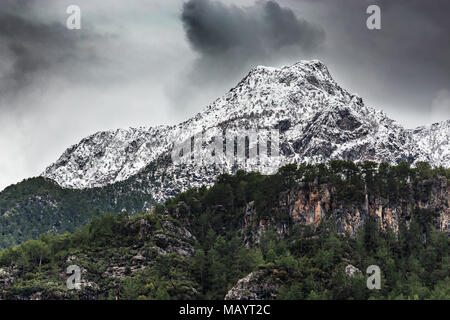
x: 315, y: 65
x: 300, y: 69
x: 316, y: 118
x: 305, y: 65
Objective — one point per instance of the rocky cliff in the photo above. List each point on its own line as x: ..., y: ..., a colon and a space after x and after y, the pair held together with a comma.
x: 310, y: 204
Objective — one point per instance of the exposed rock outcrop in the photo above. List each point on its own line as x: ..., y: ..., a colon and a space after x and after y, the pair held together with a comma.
x: 258, y: 285
x: 311, y: 204
x: 351, y: 271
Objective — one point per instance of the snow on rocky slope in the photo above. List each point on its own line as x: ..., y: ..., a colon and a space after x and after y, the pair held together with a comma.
x: 108, y: 156
x: 433, y: 141
x: 317, y: 120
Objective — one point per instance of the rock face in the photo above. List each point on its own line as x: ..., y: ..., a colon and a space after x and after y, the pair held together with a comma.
x: 311, y: 204
x: 258, y: 285
x: 317, y: 120
x: 6, y: 276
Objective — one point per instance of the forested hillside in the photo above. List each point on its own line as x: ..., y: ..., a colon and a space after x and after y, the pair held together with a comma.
x: 39, y: 205
x: 292, y: 235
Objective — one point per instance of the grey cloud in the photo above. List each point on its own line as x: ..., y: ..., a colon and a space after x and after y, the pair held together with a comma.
x: 16, y: 6
x: 34, y: 49
x: 215, y: 29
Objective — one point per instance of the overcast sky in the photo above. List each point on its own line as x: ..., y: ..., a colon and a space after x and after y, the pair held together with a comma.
x: 150, y: 62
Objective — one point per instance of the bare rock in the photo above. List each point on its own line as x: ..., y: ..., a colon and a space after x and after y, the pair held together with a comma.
x: 351, y: 271
x: 258, y: 285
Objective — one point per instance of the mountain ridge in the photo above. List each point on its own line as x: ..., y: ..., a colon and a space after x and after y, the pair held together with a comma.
x: 317, y: 120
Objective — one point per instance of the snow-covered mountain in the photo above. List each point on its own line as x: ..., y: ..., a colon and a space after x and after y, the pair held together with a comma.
x: 317, y: 120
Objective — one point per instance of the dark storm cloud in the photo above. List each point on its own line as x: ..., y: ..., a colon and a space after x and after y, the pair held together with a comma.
x: 216, y: 29
x: 231, y: 39
x: 31, y: 50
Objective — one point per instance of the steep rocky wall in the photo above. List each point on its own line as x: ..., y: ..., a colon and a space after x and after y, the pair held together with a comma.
x: 311, y: 204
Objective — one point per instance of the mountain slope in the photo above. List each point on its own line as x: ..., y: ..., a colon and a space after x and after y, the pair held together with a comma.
x: 107, y: 157
x: 316, y: 118
x: 433, y: 141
